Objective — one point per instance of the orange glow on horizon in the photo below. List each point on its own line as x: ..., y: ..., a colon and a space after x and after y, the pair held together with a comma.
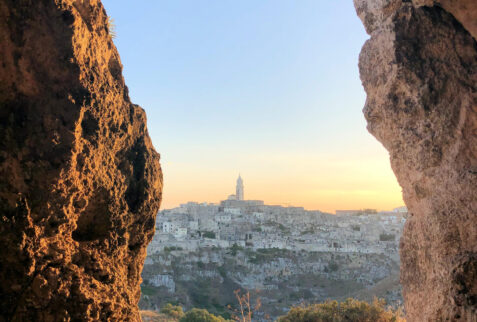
x: 312, y: 182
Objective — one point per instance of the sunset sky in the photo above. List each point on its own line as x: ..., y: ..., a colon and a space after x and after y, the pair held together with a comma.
x: 267, y: 88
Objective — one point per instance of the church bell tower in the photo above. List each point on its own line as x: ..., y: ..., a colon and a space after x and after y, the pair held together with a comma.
x: 239, y: 189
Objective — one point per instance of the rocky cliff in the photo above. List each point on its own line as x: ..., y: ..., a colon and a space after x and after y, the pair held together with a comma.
x: 280, y: 278
x: 80, y: 180
x: 419, y: 70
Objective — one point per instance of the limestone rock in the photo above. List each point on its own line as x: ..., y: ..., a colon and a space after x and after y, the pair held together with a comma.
x: 419, y: 70
x: 80, y: 180
x: 465, y: 11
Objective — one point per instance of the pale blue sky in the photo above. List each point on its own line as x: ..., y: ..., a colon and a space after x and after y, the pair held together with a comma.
x: 268, y: 88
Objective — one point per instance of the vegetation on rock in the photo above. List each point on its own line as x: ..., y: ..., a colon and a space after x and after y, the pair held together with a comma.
x: 208, y: 234
x: 349, y: 310
x: 173, y: 311
x: 201, y: 315
x: 329, y: 311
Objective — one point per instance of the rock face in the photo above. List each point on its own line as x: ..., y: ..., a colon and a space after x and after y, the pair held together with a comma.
x: 202, y: 253
x: 281, y: 278
x: 419, y: 70
x: 80, y: 180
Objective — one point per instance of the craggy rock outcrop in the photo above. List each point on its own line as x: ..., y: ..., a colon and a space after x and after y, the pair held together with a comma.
x: 80, y: 181
x: 419, y: 70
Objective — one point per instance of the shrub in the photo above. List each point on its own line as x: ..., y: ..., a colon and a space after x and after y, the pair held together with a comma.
x: 111, y: 27
x: 266, y: 254
x: 172, y: 248
x: 200, y: 315
x: 222, y: 271
x: 349, y: 310
x: 387, y: 237
x: 234, y: 249
x: 173, y: 311
x: 208, y: 234
x: 308, y: 231
x: 148, y: 290
x: 245, y: 313
x: 333, y: 266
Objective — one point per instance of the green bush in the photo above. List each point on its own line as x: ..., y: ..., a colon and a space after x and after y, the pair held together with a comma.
x: 222, y: 271
x: 266, y: 254
x: 387, y: 237
x: 349, y: 310
x: 333, y: 266
x: 173, y: 311
x: 148, y: 290
x: 308, y: 231
x: 235, y: 248
x: 208, y: 234
x: 201, y: 315
x: 172, y: 248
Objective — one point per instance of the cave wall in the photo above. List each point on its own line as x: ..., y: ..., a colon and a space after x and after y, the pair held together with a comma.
x: 80, y: 180
x: 419, y: 71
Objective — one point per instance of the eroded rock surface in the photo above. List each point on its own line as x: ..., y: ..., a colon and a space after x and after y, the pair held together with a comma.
x: 419, y: 70
x: 80, y: 181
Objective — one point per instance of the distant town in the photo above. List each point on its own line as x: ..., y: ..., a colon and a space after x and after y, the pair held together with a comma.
x: 251, y: 223
x: 358, y: 245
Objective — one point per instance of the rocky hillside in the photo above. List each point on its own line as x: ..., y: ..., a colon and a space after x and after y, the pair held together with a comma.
x: 280, y: 278
x: 81, y: 182
x: 419, y: 70
x: 202, y: 253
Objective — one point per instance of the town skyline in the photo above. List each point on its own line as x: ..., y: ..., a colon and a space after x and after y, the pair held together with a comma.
x: 240, y: 190
x: 260, y: 246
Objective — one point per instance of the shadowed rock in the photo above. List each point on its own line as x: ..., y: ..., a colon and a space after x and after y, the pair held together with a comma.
x: 80, y: 180
x: 419, y: 70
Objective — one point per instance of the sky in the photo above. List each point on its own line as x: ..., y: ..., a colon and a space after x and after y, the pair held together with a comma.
x: 269, y: 89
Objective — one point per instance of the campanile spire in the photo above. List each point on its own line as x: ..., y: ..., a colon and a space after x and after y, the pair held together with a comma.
x: 239, y: 188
